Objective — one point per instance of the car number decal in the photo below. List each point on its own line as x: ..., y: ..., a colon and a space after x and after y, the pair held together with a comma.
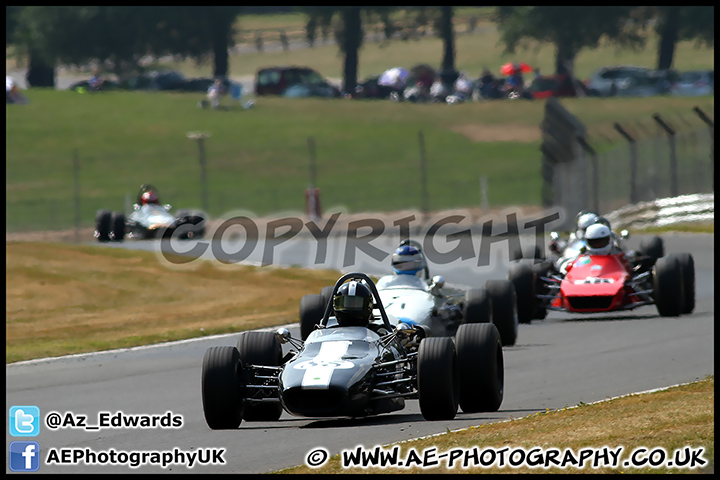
x: 594, y: 280
x: 319, y: 369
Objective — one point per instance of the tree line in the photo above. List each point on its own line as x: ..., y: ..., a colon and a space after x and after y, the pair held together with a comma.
x: 119, y: 37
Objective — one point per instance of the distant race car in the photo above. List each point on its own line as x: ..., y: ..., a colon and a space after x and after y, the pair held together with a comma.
x: 353, y: 371
x: 603, y: 283
x: 149, y: 219
x: 428, y: 302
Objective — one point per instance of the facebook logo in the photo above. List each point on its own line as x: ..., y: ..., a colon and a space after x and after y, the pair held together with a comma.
x: 24, y: 456
x: 24, y: 421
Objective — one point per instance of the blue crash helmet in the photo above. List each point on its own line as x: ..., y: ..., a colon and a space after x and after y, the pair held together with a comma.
x: 407, y: 260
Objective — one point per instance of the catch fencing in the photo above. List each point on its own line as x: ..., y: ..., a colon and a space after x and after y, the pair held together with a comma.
x: 634, y: 163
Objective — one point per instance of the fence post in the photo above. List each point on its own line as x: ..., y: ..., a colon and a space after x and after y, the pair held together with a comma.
x: 76, y: 187
x: 595, y: 174
x: 633, y: 162
x: 313, y: 166
x: 711, y: 126
x: 423, y: 176
x: 200, y: 138
x: 673, y: 154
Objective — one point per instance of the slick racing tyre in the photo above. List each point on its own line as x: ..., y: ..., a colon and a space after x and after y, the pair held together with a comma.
x: 118, y: 227
x: 687, y: 272
x: 523, y: 279
x: 103, y: 225
x: 258, y: 348
x: 481, y: 369
x: 667, y: 287
x: 326, y: 293
x: 476, y: 308
x: 437, y: 377
x: 653, y: 247
x: 312, y: 309
x: 220, y: 388
x: 504, y: 309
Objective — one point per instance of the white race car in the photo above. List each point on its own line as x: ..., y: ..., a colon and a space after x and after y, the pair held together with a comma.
x: 428, y: 303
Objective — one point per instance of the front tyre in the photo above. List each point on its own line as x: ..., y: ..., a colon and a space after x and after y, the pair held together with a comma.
x: 312, y: 309
x: 504, y: 309
x: 437, y: 377
x: 687, y: 272
x: 220, y: 388
x: 476, y: 307
x: 480, y: 367
x: 258, y: 348
x: 118, y: 227
x: 667, y: 287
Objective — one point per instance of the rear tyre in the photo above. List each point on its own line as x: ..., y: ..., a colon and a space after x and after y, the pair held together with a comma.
x: 103, y: 225
x: 523, y: 279
x: 504, y: 309
x: 198, y: 222
x: 118, y: 227
x: 259, y: 348
x: 476, y: 308
x: 220, y: 388
x: 481, y: 368
x: 687, y: 272
x: 437, y: 377
x: 667, y: 287
x: 326, y: 293
x: 312, y: 309
x: 653, y: 247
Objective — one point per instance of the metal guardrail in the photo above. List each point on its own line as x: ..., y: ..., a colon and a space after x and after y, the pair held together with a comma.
x: 695, y: 208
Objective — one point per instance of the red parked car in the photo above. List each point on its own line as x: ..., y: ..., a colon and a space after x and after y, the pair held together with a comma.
x: 554, y: 86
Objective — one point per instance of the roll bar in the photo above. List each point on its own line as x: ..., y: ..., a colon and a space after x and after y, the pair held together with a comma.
x: 373, y: 290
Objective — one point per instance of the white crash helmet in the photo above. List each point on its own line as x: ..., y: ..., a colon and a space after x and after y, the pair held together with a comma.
x: 583, y: 222
x: 598, y: 239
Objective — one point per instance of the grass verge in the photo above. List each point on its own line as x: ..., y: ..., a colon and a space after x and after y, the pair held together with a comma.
x: 63, y: 299
x: 671, y: 419
x: 367, y: 153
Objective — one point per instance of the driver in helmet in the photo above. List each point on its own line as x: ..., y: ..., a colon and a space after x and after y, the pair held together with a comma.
x: 150, y: 197
x: 353, y: 304
x: 599, y: 240
x: 569, y: 251
x: 409, y: 267
x: 407, y: 260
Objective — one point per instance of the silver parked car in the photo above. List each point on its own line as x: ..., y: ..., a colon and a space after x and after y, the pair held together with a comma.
x: 607, y: 81
x: 694, y: 83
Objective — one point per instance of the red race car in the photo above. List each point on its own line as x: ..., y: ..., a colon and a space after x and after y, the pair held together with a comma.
x: 605, y: 283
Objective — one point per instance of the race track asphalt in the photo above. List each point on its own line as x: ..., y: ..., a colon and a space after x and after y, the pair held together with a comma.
x: 561, y: 361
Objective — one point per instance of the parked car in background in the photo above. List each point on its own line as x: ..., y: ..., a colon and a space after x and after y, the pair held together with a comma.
x: 293, y: 82
x: 607, y: 81
x: 555, y: 86
x: 165, y: 80
x: 648, y: 84
x: 694, y: 83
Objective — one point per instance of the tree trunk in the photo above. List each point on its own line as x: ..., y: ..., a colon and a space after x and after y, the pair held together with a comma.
x: 564, y: 60
x: 352, y: 23
x: 39, y: 73
x: 221, y: 27
x: 565, y: 65
x: 220, y: 55
x: 668, y: 31
x: 448, y: 35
